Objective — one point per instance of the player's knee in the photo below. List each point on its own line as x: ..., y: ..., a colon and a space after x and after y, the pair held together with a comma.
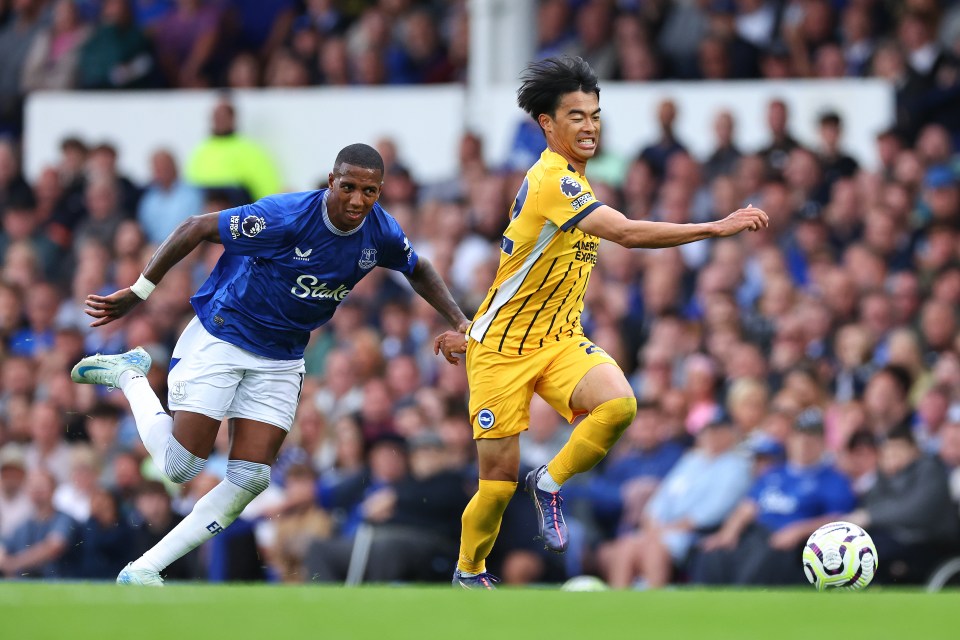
x: 616, y: 415
x: 250, y: 476
x: 179, y: 464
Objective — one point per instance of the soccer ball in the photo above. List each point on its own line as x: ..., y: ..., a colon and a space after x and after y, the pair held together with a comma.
x: 839, y: 555
x: 584, y: 583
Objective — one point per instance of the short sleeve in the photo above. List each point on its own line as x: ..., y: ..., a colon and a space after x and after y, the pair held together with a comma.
x: 397, y: 252
x: 565, y: 199
x: 257, y: 229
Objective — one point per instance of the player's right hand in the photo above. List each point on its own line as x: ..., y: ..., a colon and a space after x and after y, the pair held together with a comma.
x: 106, y: 309
x: 747, y: 219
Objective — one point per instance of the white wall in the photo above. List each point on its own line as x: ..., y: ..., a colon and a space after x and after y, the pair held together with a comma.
x: 305, y: 128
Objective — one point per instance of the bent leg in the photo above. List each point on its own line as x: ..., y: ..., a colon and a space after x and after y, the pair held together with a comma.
x: 180, y: 445
x: 605, y: 393
x: 499, y: 461
x: 255, y: 446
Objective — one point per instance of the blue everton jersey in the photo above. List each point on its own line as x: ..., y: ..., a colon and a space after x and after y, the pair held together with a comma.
x: 285, y: 268
x: 788, y: 494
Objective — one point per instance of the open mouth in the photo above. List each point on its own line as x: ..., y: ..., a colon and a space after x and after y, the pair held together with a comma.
x: 587, y: 144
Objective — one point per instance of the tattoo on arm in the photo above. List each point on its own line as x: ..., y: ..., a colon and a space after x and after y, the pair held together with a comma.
x: 178, y: 245
x: 430, y: 286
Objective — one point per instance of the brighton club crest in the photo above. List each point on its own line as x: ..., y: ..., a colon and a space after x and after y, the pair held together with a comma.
x: 368, y: 258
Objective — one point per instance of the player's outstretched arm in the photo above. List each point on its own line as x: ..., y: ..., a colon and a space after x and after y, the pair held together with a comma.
x: 609, y: 224
x: 184, y: 239
x: 430, y: 286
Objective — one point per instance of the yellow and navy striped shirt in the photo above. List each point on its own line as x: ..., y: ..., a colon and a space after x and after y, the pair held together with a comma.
x: 545, y: 262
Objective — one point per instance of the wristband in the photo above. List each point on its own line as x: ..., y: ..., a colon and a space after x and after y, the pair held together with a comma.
x: 143, y: 287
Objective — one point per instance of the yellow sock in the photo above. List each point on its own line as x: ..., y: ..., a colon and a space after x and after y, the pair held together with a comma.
x: 481, y: 523
x: 593, y: 438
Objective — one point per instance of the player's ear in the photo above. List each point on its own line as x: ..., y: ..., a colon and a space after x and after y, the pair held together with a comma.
x: 330, y: 179
x: 545, y: 121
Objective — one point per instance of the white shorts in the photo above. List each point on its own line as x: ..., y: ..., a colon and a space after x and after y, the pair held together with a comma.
x: 220, y: 380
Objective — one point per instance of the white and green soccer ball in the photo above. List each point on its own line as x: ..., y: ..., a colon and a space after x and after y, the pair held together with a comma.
x: 839, y: 555
x: 584, y: 583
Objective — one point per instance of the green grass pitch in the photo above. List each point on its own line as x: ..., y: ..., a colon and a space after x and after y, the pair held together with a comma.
x: 77, y: 611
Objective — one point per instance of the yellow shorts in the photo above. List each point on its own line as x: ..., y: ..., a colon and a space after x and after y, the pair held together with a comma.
x: 502, y: 385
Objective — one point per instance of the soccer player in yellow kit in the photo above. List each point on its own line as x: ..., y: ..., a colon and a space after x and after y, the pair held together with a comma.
x: 526, y: 337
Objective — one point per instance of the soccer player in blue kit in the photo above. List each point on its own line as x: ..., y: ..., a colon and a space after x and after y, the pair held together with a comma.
x: 288, y: 261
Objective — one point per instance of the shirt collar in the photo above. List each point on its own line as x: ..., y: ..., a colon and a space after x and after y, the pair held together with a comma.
x: 332, y: 227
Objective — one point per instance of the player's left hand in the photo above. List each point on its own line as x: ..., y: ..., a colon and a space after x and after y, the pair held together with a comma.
x: 106, y: 309
x: 450, y: 342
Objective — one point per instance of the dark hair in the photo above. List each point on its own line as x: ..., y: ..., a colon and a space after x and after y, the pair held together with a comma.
x: 902, y: 433
x: 861, y: 439
x: 359, y: 155
x: 901, y: 377
x: 152, y: 488
x: 830, y: 118
x: 545, y: 82
x: 105, y: 410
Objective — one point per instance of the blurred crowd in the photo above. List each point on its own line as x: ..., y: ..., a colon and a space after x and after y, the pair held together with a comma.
x: 806, y: 372
x: 139, y: 44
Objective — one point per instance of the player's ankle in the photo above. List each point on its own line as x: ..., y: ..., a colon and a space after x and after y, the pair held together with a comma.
x: 546, y: 482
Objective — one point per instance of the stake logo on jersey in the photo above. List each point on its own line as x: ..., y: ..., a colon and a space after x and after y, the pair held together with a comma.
x: 286, y: 267
x: 368, y: 258
x: 570, y: 187
x: 253, y: 225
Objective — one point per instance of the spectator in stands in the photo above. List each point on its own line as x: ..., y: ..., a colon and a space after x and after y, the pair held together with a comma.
x: 694, y: 497
x: 760, y: 542
x: 15, y: 505
x: 53, y: 59
x: 42, y: 547
x: 618, y: 491
x: 231, y: 160
x: 13, y: 187
x: 723, y: 160
x: 16, y: 37
x: 594, y: 43
x: 20, y: 224
x: 73, y: 496
x: 106, y: 538
x: 908, y: 511
x: 185, y: 40
x: 47, y: 451
x: 259, y: 27
x: 420, y: 57
x: 858, y: 459
x: 300, y: 522
x: 154, y: 519
x: 667, y: 144
x: 949, y: 456
x: 782, y: 143
x: 168, y: 200
x: 886, y: 400
x: 414, y: 519
x: 117, y: 55
x: 835, y: 163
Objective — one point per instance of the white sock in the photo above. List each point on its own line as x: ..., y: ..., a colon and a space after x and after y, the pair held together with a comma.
x: 545, y: 482
x: 212, y: 514
x: 153, y: 423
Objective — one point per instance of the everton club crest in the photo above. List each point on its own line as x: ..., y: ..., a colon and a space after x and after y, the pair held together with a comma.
x: 368, y: 258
